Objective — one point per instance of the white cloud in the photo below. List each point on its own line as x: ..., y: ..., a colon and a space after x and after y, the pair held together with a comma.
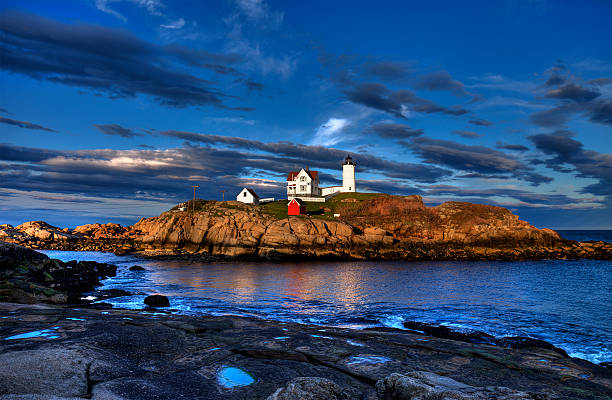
x: 234, y: 120
x: 330, y: 133
x: 258, y: 10
x: 152, y: 7
x: 178, y: 24
x: 284, y: 66
x: 499, y: 82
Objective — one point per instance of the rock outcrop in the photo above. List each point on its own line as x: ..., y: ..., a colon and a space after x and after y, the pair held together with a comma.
x: 422, y: 385
x: 131, y: 354
x: 383, y: 227
x: 27, y: 276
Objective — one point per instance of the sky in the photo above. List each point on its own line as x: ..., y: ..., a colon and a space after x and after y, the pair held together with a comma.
x: 111, y: 110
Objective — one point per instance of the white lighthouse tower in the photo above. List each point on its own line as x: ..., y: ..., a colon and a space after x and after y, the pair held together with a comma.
x: 348, y: 175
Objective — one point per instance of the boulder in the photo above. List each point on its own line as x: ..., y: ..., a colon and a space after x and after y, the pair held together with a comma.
x: 157, y: 300
x: 49, y: 371
x: 421, y: 385
x: 137, y: 268
x: 310, y: 388
x: 43, y: 231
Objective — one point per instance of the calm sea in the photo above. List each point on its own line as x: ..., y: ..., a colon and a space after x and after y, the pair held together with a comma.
x: 581, y: 235
x: 567, y: 303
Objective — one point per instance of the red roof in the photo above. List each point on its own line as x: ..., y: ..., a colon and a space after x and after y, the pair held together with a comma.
x: 312, y: 174
x: 252, y: 192
x: 299, y: 201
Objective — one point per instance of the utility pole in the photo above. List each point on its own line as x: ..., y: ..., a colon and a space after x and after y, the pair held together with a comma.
x: 223, y: 195
x: 193, y: 203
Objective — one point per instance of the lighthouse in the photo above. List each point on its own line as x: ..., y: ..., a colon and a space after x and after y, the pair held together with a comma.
x: 348, y: 175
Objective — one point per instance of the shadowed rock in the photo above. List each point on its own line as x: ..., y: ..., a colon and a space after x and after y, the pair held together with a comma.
x: 157, y: 300
x: 429, y: 386
x: 310, y: 388
x: 27, y: 276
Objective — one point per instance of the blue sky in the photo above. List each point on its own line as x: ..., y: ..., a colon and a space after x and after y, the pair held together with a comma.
x: 111, y: 109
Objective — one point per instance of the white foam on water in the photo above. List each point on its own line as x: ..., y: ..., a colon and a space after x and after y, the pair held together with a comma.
x: 393, y: 321
x: 353, y: 343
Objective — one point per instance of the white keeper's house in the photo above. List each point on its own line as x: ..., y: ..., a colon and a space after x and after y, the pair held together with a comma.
x: 304, y: 184
x: 248, y: 196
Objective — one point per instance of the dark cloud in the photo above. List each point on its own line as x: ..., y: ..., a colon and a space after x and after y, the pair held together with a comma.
x: 222, y: 69
x: 466, y: 134
x: 394, y: 131
x: 397, y: 103
x: 480, y: 122
x: 5, y: 111
x: 601, y: 112
x: 468, y: 158
x: 251, y: 85
x: 201, y: 58
x: 441, y: 80
x: 575, y: 98
x: 26, y: 154
x: 557, y: 116
x: 600, y: 81
x: 477, y: 175
x: 316, y: 156
x: 387, y: 70
x: 396, y: 187
x: 106, y: 60
x: 554, y: 80
x: 25, y: 124
x: 525, y: 196
x: 574, y: 92
x: 568, y: 154
x: 117, y: 130
x: 513, y: 147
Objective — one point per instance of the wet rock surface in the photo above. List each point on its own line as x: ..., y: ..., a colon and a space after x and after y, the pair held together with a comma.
x: 122, y: 354
x: 27, y: 276
x: 514, y: 342
x: 385, y: 227
x: 421, y: 385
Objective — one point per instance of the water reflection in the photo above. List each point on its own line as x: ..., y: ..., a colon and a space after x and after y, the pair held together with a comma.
x: 564, y: 302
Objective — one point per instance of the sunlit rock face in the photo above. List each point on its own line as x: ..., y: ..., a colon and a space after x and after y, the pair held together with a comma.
x: 379, y: 227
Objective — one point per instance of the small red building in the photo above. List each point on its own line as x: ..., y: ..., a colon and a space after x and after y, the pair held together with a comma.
x: 296, y: 207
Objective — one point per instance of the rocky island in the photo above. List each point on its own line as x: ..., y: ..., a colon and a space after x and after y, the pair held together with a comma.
x: 350, y: 226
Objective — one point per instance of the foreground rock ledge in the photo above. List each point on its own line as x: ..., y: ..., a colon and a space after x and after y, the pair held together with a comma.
x: 382, y: 227
x: 120, y: 354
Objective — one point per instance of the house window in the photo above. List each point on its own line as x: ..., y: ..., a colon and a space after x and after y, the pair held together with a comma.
x: 244, y: 194
x: 303, y: 188
x: 302, y: 178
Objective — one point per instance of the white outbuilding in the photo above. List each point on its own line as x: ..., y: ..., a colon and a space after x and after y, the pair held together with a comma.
x: 248, y: 196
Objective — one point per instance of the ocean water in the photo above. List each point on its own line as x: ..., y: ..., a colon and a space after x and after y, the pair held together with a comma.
x: 583, y: 235
x: 567, y: 303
